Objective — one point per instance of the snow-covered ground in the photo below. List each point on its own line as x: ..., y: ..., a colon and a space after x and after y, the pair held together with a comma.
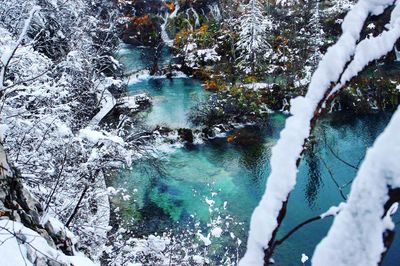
x: 22, y: 246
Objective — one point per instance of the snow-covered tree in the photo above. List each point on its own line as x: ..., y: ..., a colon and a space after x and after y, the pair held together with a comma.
x: 252, y: 43
x: 317, y: 34
x: 56, y: 73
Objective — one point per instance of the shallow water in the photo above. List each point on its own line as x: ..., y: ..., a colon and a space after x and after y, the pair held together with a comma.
x: 138, y: 58
x: 218, y: 184
x: 172, y: 99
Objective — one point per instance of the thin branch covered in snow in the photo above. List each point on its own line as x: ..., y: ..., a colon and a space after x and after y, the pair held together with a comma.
x: 357, y: 236
x: 9, y: 52
x: 286, y: 155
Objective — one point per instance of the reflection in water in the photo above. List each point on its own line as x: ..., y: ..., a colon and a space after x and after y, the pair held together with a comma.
x: 135, y: 58
x: 314, y: 178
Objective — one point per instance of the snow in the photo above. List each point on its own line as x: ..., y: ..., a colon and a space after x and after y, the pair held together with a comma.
x: 372, y: 48
x: 304, y: 258
x: 45, y: 115
x: 205, y: 240
x: 257, y: 85
x: 333, y: 211
x: 15, y: 252
x: 195, y: 57
x: 3, y: 130
x: 9, y: 51
x: 356, y: 236
x: 156, y: 243
x: 107, y: 102
x: 209, y: 55
x: 198, y: 259
x: 5, y: 169
x: 288, y: 149
x: 252, y: 43
x: 95, y: 136
x: 63, y: 130
x: 287, y: 2
x: 216, y: 232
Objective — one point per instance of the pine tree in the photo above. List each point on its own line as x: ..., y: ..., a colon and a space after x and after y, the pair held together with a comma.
x: 317, y: 35
x: 252, y: 44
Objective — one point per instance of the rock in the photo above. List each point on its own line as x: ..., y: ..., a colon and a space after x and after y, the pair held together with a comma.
x: 163, y: 130
x: 27, y: 220
x: 17, y: 204
x: 186, y: 135
x: 26, y: 200
x: 134, y: 103
x: 55, y: 263
x: 40, y: 261
x: 50, y: 229
x: 30, y: 253
x: 35, y: 216
x: 46, y: 235
x: 208, y: 133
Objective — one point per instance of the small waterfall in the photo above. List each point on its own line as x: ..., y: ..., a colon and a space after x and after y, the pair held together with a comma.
x: 173, y: 14
x: 397, y: 52
x: 215, y: 12
x: 195, y: 15
x: 167, y: 16
x: 164, y: 34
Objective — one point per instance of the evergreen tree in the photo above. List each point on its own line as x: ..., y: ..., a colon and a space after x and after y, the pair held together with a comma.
x: 252, y: 44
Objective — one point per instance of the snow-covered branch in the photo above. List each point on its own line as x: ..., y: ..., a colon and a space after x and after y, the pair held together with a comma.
x: 357, y: 234
x: 286, y: 154
x: 7, y: 54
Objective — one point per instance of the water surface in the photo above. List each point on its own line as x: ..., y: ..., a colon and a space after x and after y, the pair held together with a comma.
x: 216, y: 185
x: 172, y: 99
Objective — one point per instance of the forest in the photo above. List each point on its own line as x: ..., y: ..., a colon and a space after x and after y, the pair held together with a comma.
x: 199, y: 132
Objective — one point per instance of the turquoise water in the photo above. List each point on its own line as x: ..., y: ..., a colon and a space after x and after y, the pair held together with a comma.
x: 172, y: 100
x: 235, y: 173
x: 218, y: 184
x: 138, y: 58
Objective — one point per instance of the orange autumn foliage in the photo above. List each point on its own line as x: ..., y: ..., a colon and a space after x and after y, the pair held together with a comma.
x: 141, y: 20
x: 170, y: 6
x: 211, y: 85
x: 231, y: 138
x: 282, y: 40
x: 203, y: 29
x: 183, y: 35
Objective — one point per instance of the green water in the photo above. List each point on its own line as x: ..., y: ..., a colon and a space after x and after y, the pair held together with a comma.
x: 218, y: 184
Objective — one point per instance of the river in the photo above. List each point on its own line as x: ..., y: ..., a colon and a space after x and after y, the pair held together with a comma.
x: 205, y: 193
